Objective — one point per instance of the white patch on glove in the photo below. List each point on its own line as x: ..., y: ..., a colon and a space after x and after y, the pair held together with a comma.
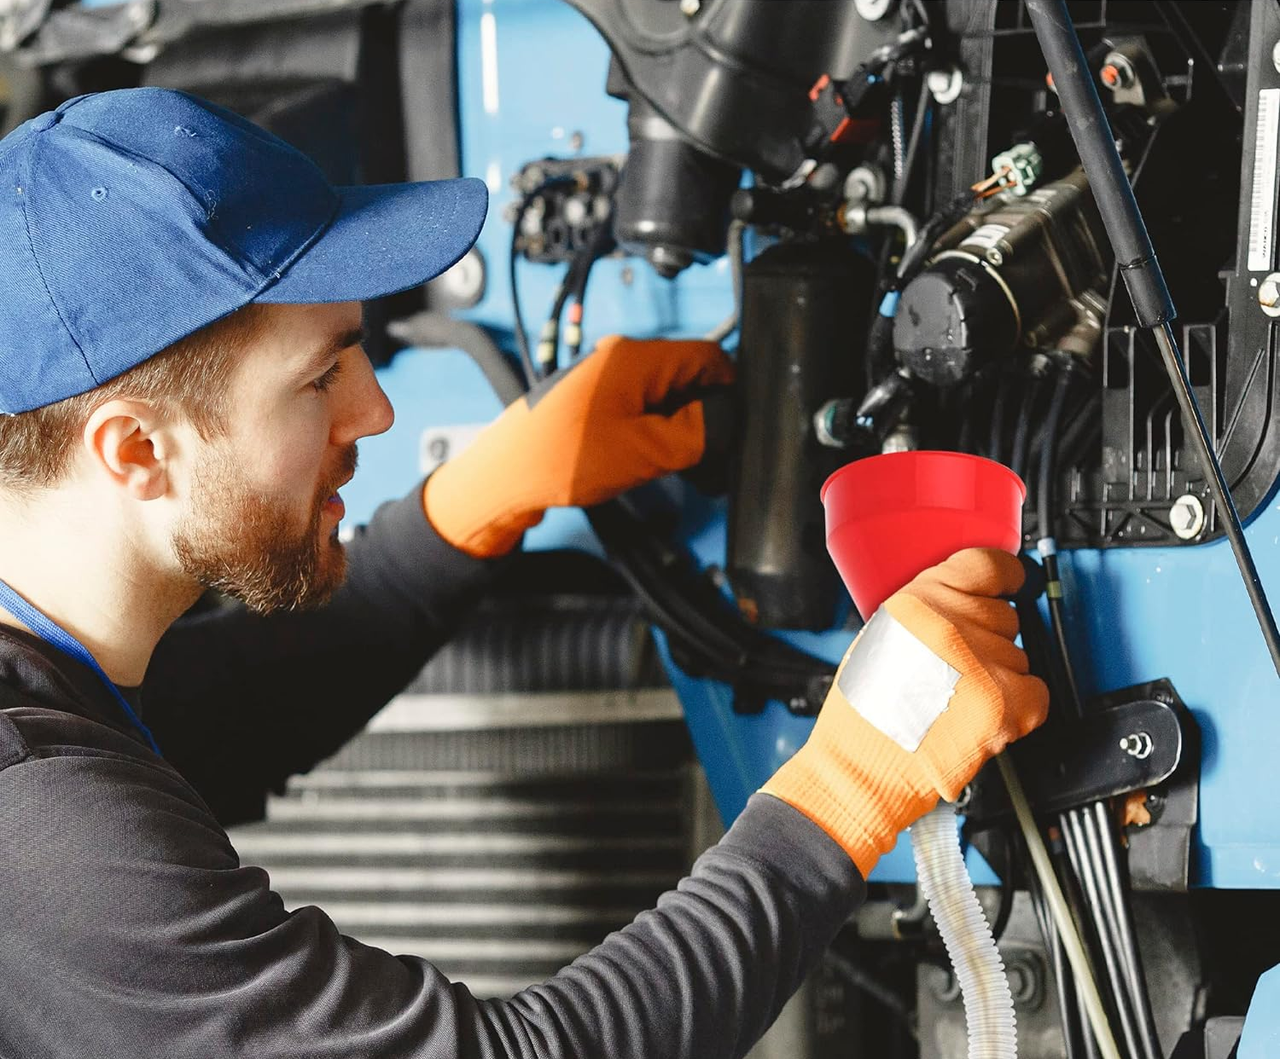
x: 896, y: 682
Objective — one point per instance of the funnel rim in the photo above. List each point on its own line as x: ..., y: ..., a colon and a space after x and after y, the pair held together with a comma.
x: 881, y: 458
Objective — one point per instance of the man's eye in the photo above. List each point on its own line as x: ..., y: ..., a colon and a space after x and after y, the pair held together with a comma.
x: 326, y: 380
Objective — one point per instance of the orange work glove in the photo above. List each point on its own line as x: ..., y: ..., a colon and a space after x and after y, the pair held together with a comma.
x: 931, y: 689
x: 608, y: 424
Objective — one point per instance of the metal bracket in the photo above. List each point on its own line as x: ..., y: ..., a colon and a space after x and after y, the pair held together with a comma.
x: 1121, y: 748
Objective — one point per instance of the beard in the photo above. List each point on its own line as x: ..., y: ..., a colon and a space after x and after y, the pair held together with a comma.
x: 247, y: 544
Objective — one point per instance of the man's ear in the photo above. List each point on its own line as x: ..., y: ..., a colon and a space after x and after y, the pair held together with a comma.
x: 133, y: 443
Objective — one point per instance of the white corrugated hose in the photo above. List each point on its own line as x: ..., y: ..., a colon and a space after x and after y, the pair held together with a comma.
x: 975, y: 960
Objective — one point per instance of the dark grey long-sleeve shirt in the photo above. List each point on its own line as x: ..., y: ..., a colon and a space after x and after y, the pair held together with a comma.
x: 129, y: 927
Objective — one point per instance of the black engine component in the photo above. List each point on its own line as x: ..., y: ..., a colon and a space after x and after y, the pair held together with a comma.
x: 1027, y: 271
x: 796, y: 351
x: 673, y: 201
x: 711, y: 93
x: 734, y: 77
x: 564, y: 201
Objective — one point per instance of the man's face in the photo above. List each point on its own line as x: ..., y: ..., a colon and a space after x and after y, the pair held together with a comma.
x: 262, y: 519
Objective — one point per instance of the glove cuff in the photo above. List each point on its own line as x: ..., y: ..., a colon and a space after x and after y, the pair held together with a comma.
x: 467, y: 526
x: 855, y: 784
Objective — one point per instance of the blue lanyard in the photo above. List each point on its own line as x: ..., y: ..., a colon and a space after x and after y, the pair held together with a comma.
x: 52, y: 633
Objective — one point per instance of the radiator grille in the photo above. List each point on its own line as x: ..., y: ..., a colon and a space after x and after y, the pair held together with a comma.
x: 500, y: 872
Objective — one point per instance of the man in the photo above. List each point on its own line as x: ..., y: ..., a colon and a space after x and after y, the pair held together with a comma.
x: 184, y: 387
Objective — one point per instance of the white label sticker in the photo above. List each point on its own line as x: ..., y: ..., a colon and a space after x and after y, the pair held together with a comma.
x: 438, y: 444
x: 1262, y: 200
x: 896, y: 682
x: 986, y: 237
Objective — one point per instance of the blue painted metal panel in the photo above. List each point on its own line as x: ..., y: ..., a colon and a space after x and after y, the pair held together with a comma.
x: 1261, y: 1036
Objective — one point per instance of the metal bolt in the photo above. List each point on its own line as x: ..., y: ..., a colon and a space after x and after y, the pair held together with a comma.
x: 946, y: 84
x: 873, y: 10
x: 865, y: 185
x: 1117, y: 72
x: 438, y: 449
x: 995, y: 257
x: 464, y: 284
x: 1186, y: 517
x: 689, y: 8
x: 1025, y: 977
x: 1269, y: 294
x: 943, y: 985
x: 1137, y: 744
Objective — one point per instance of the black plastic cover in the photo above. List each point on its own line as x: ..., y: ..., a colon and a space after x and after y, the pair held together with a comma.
x: 952, y: 320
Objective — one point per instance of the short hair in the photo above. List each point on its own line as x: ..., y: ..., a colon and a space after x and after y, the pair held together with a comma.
x: 189, y: 377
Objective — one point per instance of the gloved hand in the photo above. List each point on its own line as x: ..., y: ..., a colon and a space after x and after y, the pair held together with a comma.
x: 931, y: 689
x: 612, y: 422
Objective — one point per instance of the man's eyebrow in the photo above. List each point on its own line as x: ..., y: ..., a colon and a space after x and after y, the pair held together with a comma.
x: 345, y: 340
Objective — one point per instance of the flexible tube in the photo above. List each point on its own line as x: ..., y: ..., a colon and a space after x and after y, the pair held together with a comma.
x: 979, y: 970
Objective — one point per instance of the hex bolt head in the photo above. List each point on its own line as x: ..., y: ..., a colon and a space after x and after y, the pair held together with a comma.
x: 1186, y: 517
x: 1138, y: 745
x: 995, y: 256
x: 1269, y: 294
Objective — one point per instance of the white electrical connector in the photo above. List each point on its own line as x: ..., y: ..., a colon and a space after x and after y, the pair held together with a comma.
x: 1020, y: 167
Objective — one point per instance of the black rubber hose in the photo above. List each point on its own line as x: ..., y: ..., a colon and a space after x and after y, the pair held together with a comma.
x: 1049, y: 454
x: 1022, y: 431
x: 436, y: 330
x: 522, y: 335
x: 712, y: 637
x: 1044, y: 516
x: 995, y: 443
x: 1073, y: 1031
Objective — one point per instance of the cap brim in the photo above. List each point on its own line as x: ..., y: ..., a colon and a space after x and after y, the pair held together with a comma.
x: 385, y: 239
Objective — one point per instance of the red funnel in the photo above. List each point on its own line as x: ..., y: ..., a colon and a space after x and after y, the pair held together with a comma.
x: 890, y: 517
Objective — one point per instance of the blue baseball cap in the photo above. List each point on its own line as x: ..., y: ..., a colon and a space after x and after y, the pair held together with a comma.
x: 130, y: 219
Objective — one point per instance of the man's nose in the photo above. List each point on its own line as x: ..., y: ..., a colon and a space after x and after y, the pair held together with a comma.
x: 366, y: 410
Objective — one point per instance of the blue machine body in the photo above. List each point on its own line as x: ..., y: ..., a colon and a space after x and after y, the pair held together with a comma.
x: 531, y: 75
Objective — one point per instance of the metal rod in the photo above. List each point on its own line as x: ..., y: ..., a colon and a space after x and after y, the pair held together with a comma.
x: 1128, y: 937
x: 1136, y: 258
x: 1069, y: 1006
x: 1067, y: 930
x: 1072, y: 834
x: 1111, y: 898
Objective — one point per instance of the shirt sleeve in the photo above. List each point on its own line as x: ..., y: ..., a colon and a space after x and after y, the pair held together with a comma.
x: 133, y: 929
x: 239, y: 702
